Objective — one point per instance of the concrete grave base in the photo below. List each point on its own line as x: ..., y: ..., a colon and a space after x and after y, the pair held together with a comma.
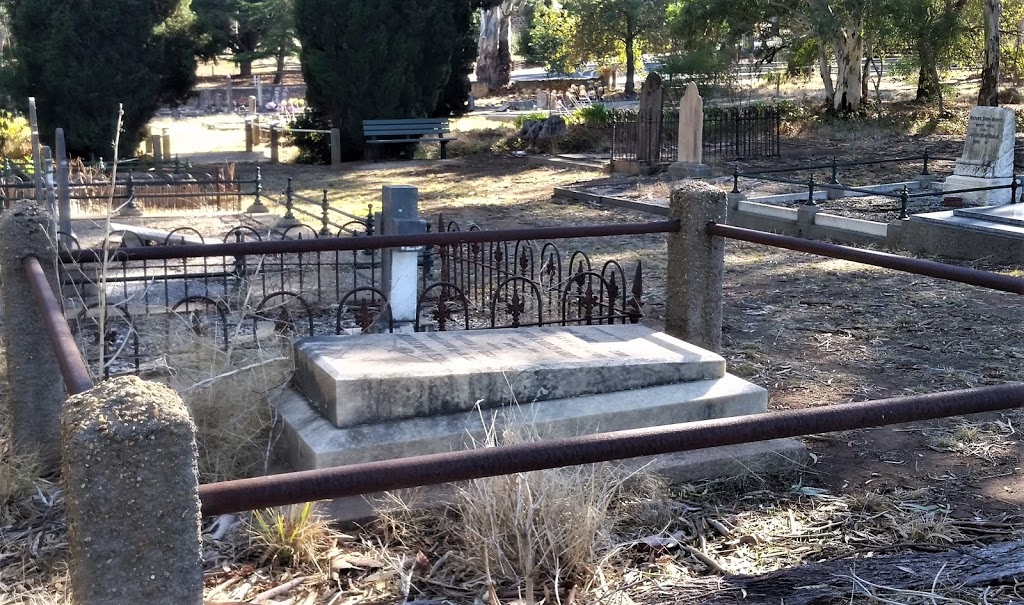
x: 688, y: 170
x: 312, y: 442
x: 777, y: 457
x: 996, y: 197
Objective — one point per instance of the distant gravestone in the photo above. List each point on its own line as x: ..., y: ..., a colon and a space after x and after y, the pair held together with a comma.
x: 689, y: 162
x: 987, y: 158
x: 650, y: 119
x: 229, y: 95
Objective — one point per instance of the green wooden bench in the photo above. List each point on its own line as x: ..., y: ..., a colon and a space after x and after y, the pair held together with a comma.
x: 422, y: 130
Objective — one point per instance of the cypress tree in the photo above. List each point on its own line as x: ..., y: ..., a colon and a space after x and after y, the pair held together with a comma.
x: 365, y: 60
x: 80, y: 59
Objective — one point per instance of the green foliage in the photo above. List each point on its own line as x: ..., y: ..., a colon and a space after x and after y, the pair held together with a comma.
x: 703, y: 65
x: 607, y: 28
x: 80, y: 59
x: 249, y: 29
x: 378, y: 60
x: 314, y: 147
x: 526, y: 117
x: 594, y: 116
x: 551, y: 31
x: 802, y: 57
x: 454, y: 99
x: 15, y: 137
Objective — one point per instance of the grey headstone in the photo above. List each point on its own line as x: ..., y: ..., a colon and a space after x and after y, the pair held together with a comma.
x: 652, y: 97
x: 988, y: 149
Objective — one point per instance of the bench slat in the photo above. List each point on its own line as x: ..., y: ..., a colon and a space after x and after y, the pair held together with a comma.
x: 443, y: 121
x: 386, y: 141
x: 376, y: 131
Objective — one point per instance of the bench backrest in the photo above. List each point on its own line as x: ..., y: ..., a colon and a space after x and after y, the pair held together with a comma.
x: 438, y: 126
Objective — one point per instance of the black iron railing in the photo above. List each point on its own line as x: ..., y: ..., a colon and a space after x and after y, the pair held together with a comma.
x: 250, y: 288
x: 728, y: 133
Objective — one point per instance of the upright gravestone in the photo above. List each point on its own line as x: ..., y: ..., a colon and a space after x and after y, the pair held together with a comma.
x: 689, y: 162
x: 987, y: 159
x: 229, y: 94
x: 259, y: 92
x: 650, y: 120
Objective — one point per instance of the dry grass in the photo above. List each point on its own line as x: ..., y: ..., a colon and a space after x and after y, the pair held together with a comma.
x: 231, y: 394
x: 536, y: 534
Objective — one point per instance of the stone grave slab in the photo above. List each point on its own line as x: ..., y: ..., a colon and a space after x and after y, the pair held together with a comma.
x: 1009, y: 214
x: 987, y: 158
x: 363, y: 379
x: 312, y: 442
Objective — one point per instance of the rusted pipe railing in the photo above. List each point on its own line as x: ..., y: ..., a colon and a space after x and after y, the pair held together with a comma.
x: 356, y: 479
x: 448, y: 238
x: 72, y: 366
x: 917, y: 266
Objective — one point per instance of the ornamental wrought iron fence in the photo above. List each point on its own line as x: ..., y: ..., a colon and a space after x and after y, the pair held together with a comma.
x: 728, y: 133
x: 125, y: 305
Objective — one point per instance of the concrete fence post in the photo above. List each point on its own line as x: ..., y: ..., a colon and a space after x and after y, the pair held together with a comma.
x: 335, y: 146
x: 248, y: 136
x: 132, y: 495
x: 33, y: 376
x: 696, y: 263
x: 274, y: 141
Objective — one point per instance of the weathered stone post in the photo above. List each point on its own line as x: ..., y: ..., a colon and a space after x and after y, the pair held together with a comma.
x: 248, y: 136
x: 274, y: 142
x: 36, y: 391
x: 696, y: 263
x: 335, y: 146
x: 132, y: 495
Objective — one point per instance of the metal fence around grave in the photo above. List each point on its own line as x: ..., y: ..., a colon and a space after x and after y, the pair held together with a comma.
x: 219, y: 189
x: 247, y: 290
x: 728, y: 133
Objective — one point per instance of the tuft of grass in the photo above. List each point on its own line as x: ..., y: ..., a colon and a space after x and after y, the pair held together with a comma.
x: 295, y: 535
x: 529, y: 533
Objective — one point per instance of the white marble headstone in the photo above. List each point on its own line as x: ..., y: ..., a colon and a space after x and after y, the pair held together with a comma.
x: 988, y: 149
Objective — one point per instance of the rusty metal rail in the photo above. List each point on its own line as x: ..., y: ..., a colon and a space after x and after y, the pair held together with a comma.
x: 290, y: 488
x: 69, y: 358
x: 917, y: 266
x: 333, y: 244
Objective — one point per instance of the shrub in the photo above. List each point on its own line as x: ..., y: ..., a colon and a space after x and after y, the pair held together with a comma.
x: 592, y: 115
x: 380, y: 60
x: 314, y: 147
x: 80, y: 59
x: 15, y: 136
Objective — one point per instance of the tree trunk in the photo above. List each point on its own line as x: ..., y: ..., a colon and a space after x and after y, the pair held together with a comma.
x: 849, y: 51
x: 630, y: 88
x: 282, y: 54
x: 493, y: 57
x: 825, y: 68
x: 245, y: 68
x: 927, y: 80
x: 989, y: 92
x: 866, y: 72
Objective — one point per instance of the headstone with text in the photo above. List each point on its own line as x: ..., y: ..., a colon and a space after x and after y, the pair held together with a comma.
x: 987, y: 158
x: 649, y: 120
x: 689, y: 160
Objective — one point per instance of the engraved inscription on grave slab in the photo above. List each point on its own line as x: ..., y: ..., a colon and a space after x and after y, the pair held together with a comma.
x: 988, y: 148
x: 374, y: 378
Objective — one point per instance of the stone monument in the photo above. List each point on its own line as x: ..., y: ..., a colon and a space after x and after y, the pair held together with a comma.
x: 987, y: 159
x: 650, y: 120
x: 689, y: 161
